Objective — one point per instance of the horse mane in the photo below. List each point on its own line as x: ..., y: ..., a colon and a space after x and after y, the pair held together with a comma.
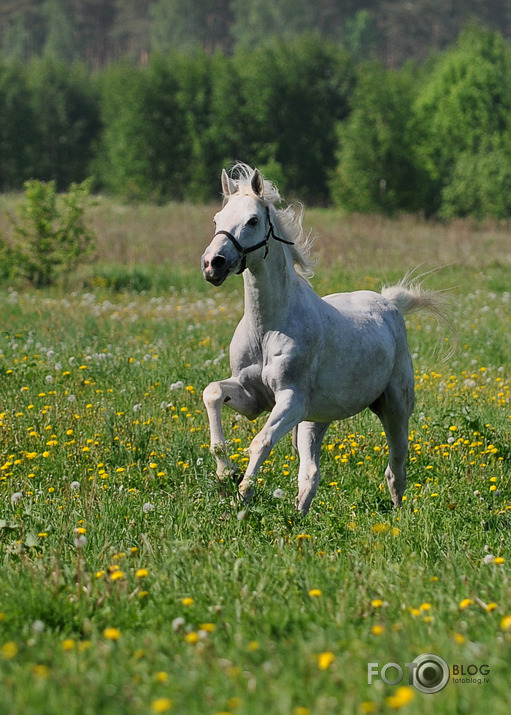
x: 287, y: 219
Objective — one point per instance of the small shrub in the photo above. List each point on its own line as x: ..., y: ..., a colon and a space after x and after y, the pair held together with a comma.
x: 51, y: 236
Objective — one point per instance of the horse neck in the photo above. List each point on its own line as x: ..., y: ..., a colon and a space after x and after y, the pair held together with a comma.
x: 269, y: 288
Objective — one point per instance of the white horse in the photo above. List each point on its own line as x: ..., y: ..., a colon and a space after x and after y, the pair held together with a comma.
x: 305, y: 359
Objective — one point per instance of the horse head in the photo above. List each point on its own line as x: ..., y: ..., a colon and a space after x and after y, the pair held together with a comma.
x: 243, y: 228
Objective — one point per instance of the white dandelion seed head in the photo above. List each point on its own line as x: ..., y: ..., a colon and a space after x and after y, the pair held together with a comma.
x: 80, y: 540
x: 16, y: 497
x: 278, y: 494
x: 178, y: 623
x: 38, y: 626
x: 74, y: 486
x: 147, y: 507
x: 177, y: 385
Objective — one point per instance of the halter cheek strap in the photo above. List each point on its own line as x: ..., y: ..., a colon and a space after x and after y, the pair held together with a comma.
x: 264, y: 243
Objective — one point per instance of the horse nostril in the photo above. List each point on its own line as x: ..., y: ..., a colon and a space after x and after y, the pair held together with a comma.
x: 218, y: 262
x: 205, y: 263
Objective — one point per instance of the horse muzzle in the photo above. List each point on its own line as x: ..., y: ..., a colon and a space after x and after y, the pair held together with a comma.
x: 215, y: 268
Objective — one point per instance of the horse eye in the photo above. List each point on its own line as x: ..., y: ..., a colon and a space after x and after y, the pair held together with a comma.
x: 253, y: 221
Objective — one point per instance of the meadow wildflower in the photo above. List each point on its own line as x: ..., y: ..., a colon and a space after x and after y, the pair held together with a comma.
x: 9, y: 650
x: 161, y: 705
x: 187, y: 601
x: 403, y: 696
x: 112, y: 634
x: 41, y: 671
x: 325, y: 660
x: 505, y: 623
x: 141, y: 573
x: 466, y: 602
x: 315, y: 593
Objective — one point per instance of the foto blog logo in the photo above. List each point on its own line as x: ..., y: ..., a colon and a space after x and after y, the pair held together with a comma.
x: 428, y: 673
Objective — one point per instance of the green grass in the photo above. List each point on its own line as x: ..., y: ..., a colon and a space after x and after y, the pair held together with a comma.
x: 118, y: 521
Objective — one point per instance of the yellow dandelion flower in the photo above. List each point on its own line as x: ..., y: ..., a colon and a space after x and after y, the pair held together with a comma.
x: 491, y: 607
x: 367, y: 707
x: 191, y: 637
x: 253, y: 646
x: 234, y: 702
x: 301, y: 711
x: 161, y: 705
x: 315, y: 593
x: 41, y: 671
x: 207, y: 627
x: 425, y: 606
x: 466, y: 602
x: 380, y: 528
x: 458, y: 638
x: 505, y: 623
x: 117, y: 575
x: 376, y: 603
x: 141, y: 573
x: 377, y: 630
x: 403, y: 696
x: 187, y: 601
x: 112, y: 634
x: 325, y: 660
x: 499, y: 560
x: 161, y: 676
x: 9, y: 650
x: 68, y: 644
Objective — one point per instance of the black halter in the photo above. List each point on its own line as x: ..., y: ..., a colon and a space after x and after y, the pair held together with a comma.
x: 264, y: 243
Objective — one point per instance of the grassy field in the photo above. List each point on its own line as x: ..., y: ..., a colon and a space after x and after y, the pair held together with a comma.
x: 131, y: 584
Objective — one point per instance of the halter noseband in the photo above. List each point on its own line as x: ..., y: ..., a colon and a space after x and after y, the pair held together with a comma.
x: 244, y: 251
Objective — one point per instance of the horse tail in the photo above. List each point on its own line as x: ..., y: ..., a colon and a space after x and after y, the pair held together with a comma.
x: 410, y: 297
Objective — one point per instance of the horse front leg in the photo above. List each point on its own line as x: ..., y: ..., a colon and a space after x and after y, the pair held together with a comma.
x: 288, y: 411
x: 216, y: 394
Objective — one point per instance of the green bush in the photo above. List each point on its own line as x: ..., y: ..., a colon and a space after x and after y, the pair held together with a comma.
x: 376, y: 169
x: 50, y: 234
x: 463, y: 114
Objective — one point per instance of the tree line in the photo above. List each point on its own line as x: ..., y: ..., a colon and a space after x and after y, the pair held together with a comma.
x: 99, y: 32
x: 432, y: 137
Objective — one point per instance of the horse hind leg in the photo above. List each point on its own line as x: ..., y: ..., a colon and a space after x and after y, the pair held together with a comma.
x: 308, y: 436
x: 394, y: 408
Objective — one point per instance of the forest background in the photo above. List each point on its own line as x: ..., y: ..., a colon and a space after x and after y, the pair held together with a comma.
x: 386, y: 106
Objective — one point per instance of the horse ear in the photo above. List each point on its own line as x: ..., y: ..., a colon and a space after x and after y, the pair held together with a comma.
x: 228, y: 186
x: 257, y: 183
